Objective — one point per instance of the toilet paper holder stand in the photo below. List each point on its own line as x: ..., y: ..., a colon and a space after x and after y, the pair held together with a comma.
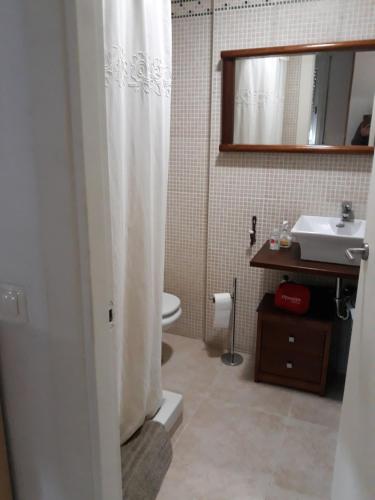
x: 232, y: 358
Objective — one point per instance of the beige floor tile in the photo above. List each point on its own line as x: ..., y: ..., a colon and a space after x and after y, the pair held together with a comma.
x: 305, y: 459
x: 191, y: 403
x: 225, y: 452
x: 226, y: 434
x: 188, y: 374
x: 276, y: 493
x: 189, y: 368
x: 175, y: 341
x: 240, y: 440
x: 316, y: 410
x: 197, y: 482
x: 236, y: 385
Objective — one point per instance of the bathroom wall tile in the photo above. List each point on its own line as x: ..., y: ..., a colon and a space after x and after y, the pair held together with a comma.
x: 186, y: 234
x: 212, y: 195
x: 188, y: 165
x: 185, y: 256
x: 191, y: 8
x: 191, y: 68
x: 272, y: 186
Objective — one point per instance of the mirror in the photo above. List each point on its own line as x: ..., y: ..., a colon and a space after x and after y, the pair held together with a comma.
x: 300, y: 98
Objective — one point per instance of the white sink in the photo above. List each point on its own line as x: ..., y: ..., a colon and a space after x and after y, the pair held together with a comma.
x: 325, y: 239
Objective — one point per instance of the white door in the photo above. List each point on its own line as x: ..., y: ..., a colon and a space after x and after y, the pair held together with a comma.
x: 354, y: 476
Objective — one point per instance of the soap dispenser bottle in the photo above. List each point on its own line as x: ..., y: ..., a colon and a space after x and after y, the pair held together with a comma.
x: 275, y: 239
x: 285, y: 235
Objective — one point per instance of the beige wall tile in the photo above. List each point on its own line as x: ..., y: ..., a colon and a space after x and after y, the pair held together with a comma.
x: 186, y: 234
x: 212, y: 195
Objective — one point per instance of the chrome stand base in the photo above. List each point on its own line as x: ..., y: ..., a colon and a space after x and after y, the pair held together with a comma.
x: 231, y: 359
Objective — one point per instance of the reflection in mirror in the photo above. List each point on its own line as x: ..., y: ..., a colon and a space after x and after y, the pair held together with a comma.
x: 324, y: 98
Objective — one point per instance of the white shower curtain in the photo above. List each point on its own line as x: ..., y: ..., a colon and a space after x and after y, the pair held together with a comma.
x: 259, y: 100
x: 138, y: 85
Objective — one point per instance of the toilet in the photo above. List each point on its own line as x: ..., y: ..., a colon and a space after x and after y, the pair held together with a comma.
x: 171, y: 409
x: 171, y: 309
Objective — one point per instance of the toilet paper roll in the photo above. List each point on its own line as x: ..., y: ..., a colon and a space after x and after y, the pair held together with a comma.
x: 223, y: 307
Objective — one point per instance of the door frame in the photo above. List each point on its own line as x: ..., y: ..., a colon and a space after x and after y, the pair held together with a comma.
x: 85, y: 60
x: 353, y: 459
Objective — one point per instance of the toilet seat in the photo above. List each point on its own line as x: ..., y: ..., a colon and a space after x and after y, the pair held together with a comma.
x: 171, y: 319
x: 171, y: 304
x: 171, y: 309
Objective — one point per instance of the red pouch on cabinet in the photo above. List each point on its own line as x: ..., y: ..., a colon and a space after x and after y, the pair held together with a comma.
x: 292, y: 297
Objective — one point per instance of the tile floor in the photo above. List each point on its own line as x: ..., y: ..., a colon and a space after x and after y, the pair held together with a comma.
x: 240, y: 440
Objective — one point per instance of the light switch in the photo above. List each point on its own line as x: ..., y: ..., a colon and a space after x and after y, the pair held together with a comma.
x: 12, y: 303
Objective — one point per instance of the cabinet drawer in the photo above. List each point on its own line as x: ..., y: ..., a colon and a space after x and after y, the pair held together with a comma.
x: 295, y: 337
x: 293, y: 365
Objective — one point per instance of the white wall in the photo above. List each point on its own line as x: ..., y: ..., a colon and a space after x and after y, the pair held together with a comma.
x: 42, y: 364
x: 338, y: 99
x: 305, y: 98
x: 363, y: 90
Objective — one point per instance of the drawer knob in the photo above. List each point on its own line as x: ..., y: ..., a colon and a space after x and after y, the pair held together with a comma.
x: 292, y: 340
x: 289, y: 365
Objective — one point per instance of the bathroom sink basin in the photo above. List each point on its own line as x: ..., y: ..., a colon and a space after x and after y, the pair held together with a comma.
x: 325, y: 239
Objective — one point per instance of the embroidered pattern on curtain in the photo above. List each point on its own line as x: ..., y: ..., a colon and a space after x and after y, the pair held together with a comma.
x: 141, y: 72
x: 259, y: 100
x: 256, y: 98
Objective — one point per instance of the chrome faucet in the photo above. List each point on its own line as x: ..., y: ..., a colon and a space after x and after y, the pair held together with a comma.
x: 347, y: 214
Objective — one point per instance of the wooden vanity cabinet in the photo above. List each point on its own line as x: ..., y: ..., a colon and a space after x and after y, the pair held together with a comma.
x: 292, y: 350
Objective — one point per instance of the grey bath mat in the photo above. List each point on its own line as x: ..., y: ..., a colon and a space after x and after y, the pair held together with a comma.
x: 146, y: 458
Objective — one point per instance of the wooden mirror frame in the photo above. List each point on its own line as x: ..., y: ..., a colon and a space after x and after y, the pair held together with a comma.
x: 227, y: 106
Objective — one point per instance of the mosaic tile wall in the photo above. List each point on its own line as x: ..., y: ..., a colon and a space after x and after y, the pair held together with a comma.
x: 186, y: 235
x: 270, y: 186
